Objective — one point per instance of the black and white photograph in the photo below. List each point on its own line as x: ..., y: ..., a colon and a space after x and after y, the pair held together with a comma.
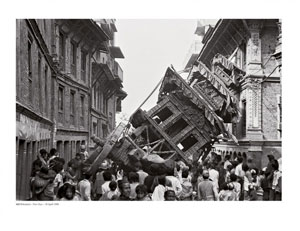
x: 149, y: 115
x: 209, y: 130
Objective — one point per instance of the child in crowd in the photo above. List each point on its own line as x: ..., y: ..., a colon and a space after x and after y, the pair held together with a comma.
x: 112, y: 194
x: 187, y: 187
x: 227, y: 193
x: 69, y: 193
x: 169, y: 195
x: 133, y: 179
x: 141, y: 193
x: 160, y: 189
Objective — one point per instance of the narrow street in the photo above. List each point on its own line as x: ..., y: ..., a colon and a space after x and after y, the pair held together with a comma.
x: 209, y: 130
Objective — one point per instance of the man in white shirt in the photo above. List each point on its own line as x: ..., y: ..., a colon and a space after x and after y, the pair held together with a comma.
x: 142, y: 174
x: 85, y: 188
x: 214, y: 176
x: 236, y: 185
x: 107, y: 178
x: 176, y: 185
x: 238, y: 170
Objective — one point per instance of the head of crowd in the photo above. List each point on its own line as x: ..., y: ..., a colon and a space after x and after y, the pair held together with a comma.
x: 216, y: 178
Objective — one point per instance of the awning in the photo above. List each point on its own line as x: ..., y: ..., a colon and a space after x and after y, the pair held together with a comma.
x: 121, y: 94
x: 116, y: 52
x: 99, y: 69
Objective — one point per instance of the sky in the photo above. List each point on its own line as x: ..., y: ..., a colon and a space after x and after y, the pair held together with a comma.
x: 150, y: 46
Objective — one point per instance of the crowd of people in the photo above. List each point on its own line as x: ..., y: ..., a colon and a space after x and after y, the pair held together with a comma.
x: 213, y: 179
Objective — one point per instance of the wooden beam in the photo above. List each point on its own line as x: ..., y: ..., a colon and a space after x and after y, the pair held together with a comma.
x: 246, y: 26
x: 228, y: 41
x: 83, y: 36
x: 96, y: 76
x: 230, y: 35
x: 223, y: 49
x: 72, y: 27
x: 237, y: 31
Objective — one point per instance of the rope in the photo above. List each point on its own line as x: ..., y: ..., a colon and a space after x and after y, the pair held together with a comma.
x: 160, y: 81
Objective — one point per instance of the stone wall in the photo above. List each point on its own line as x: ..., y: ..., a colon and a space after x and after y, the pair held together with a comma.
x: 270, y: 91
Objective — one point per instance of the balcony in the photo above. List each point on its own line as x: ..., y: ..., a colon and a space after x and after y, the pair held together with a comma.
x: 115, y: 68
x: 117, y: 71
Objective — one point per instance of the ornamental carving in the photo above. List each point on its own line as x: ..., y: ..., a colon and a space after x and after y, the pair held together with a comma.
x: 254, y: 84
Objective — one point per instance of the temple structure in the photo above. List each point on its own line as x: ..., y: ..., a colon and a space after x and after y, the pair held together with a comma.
x: 242, y: 60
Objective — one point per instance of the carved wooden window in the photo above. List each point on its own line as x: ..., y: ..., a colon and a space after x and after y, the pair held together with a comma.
x: 73, y: 58
x: 61, y: 51
x: 40, y: 82
x: 162, y: 115
x: 46, y: 89
x: 60, y: 104
x: 82, y: 110
x: 72, y: 107
x: 187, y: 143
x: 177, y: 127
x: 83, y: 65
x: 104, y: 131
x: 29, y: 64
x: 29, y: 55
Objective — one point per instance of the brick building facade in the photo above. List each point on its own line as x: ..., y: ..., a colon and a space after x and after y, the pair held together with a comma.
x: 253, y: 48
x: 106, y: 86
x: 53, y: 89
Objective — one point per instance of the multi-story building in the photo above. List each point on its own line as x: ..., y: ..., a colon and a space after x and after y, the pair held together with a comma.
x: 34, y: 96
x: 54, y: 66
x: 106, y: 86
x: 242, y: 58
x: 75, y: 42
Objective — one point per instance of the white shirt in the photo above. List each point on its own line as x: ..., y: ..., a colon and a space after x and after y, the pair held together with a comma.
x: 105, y: 187
x: 142, y: 176
x: 227, y: 162
x: 159, y: 193
x: 214, y: 176
x: 58, y: 180
x: 132, y: 188
x: 276, y: 176
x: 85, y: 189
x: 237, y: 189
x: 239, y: 171
x: 175, y: 185
x: 86, y: 155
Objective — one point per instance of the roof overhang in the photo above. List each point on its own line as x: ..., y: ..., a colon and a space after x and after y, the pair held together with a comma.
x: 116, y: 52
x: 121, y: 94
x: 113, y: 26
x: 223, y: 39
x: 97, y: 67
x: 99, y: 32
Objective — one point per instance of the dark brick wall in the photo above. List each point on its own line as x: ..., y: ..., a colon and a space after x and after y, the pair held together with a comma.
x: 268, y: 44
x: 22, y: 76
